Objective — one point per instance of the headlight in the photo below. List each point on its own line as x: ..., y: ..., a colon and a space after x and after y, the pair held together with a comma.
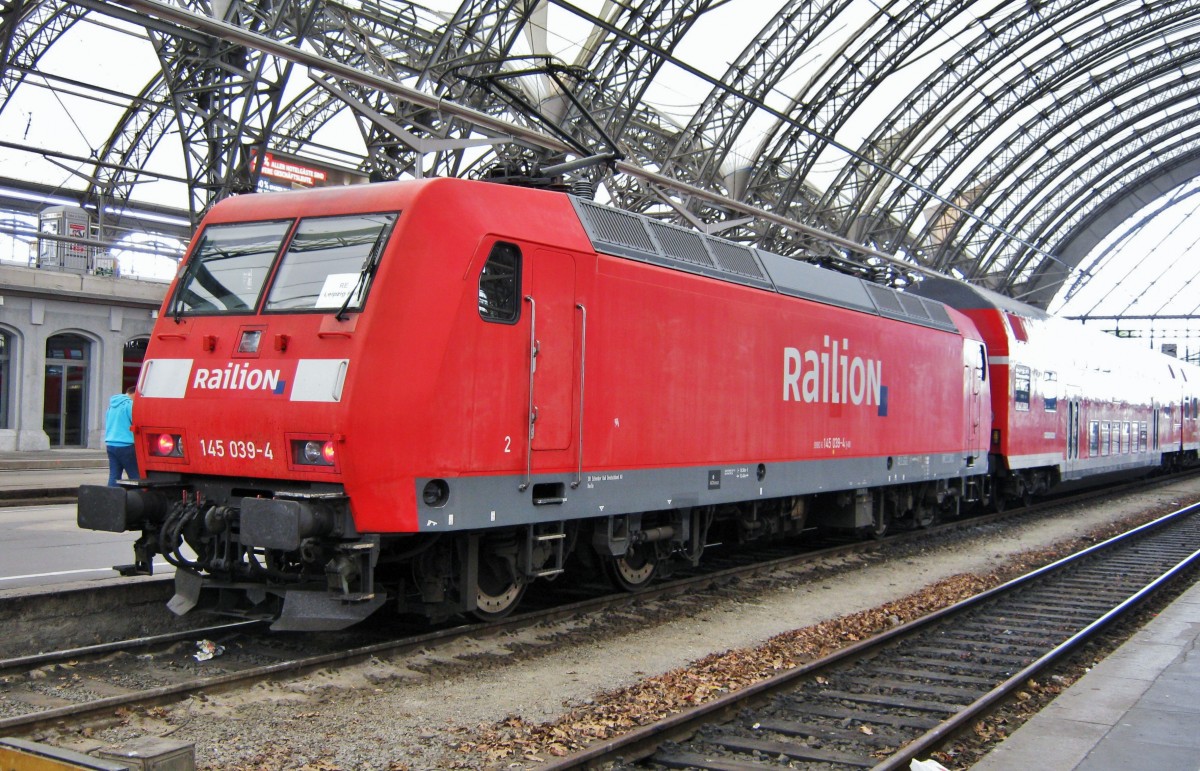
x: 314, y: 452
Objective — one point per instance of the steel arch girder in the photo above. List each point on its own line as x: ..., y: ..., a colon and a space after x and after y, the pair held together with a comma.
x: 1167, y: 141
x: 132, y: 142
x: 841, y: 88
x: 29, y: 28
x: 1093, y: 225
x: 701, y: 149
x: 1044, y: 180
x: 625, y: 69
x: 961, y: 141
x: 1042, y: 281
x: 1001, y: 167
x: 194, y: 76
x: 902, y: 141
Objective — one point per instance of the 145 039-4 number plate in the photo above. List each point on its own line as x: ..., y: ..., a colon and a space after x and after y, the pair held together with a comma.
x: 246, y: 449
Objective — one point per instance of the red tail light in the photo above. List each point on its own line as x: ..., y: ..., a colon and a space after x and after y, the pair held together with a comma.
x: 166, y: 445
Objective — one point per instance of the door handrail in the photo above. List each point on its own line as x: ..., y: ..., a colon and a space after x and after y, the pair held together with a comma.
x: 582, y: 374
x: 533, y: 352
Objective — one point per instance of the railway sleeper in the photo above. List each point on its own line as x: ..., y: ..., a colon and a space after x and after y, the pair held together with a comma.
x: 827, y: 733
x: 787, y: 749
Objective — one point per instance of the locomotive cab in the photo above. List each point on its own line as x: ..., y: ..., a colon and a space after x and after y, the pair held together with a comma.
x: 238, y: 415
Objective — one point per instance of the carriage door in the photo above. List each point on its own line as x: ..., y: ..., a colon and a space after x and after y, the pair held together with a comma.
x: 552, y: 314
x: 1073, y: 429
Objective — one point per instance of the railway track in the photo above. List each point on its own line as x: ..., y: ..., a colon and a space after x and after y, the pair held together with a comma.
x: 82, y: 683
x: 77, y: 618
x: 881, y: 703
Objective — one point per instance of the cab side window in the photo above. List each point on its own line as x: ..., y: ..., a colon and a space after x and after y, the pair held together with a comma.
x: 500, y: 285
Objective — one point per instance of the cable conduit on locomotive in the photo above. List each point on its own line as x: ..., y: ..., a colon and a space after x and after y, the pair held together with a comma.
x: 425, y: 443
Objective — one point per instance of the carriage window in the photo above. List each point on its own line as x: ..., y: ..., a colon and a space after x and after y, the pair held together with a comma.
x: 329, y: 263
x: 1051, y: 392
x: 499, y: 285
x: 1021, y: 388
x: 228, y: 267
x: 1094, y: 438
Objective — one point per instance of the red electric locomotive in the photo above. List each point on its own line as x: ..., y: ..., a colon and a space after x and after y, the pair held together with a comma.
x: 1071, y: 404
x: 431, y: 393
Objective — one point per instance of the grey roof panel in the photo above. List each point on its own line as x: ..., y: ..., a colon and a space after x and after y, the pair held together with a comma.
x: 637, y: 237
x: 800, y: 279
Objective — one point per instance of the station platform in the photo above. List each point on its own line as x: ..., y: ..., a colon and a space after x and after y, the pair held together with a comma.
x: 52, y: 473
x: 1137, y: 709
x: 53, y: 459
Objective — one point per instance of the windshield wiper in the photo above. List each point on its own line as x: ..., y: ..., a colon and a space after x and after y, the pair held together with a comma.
x: 368, y: 270
x: 177, y: 301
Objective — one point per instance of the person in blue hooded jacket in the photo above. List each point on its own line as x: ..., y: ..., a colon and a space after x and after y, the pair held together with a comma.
x: 118, y: 437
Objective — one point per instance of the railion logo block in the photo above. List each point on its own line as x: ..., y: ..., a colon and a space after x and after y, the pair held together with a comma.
x: 238, y: 377
x: 832, y: 375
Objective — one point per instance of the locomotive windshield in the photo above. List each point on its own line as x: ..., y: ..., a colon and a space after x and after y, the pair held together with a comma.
x: 329, y: 262
x: 228, y: 269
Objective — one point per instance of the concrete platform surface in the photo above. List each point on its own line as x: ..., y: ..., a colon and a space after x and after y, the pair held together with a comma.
x: 55, y: 472
x: 1137, y: 709
x: 53, y: 459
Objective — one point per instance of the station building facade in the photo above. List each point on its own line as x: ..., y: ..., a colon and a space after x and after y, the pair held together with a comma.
x: 68, y: 342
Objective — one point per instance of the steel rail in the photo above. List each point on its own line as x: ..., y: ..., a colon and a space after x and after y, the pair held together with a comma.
x: 677, y: 587
x: 644, y: 740
x: 681, y: 586
x: 981, y: 706
x: 51, y: 657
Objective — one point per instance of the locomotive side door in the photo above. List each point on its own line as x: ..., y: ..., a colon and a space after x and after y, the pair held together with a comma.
x: 553, y: 370
x: 975, y: 366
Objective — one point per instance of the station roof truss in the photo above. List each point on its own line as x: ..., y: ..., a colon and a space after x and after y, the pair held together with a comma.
x: 996, y: 141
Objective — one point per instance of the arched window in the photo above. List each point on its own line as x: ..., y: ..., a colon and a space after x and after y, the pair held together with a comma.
x: 5, y: 377
x: 131, y: 362
x: 64, y: 410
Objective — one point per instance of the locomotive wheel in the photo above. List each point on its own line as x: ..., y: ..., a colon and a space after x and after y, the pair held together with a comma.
x: 633, y: 570
x: 881, y: 523
x: 498, y: 592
